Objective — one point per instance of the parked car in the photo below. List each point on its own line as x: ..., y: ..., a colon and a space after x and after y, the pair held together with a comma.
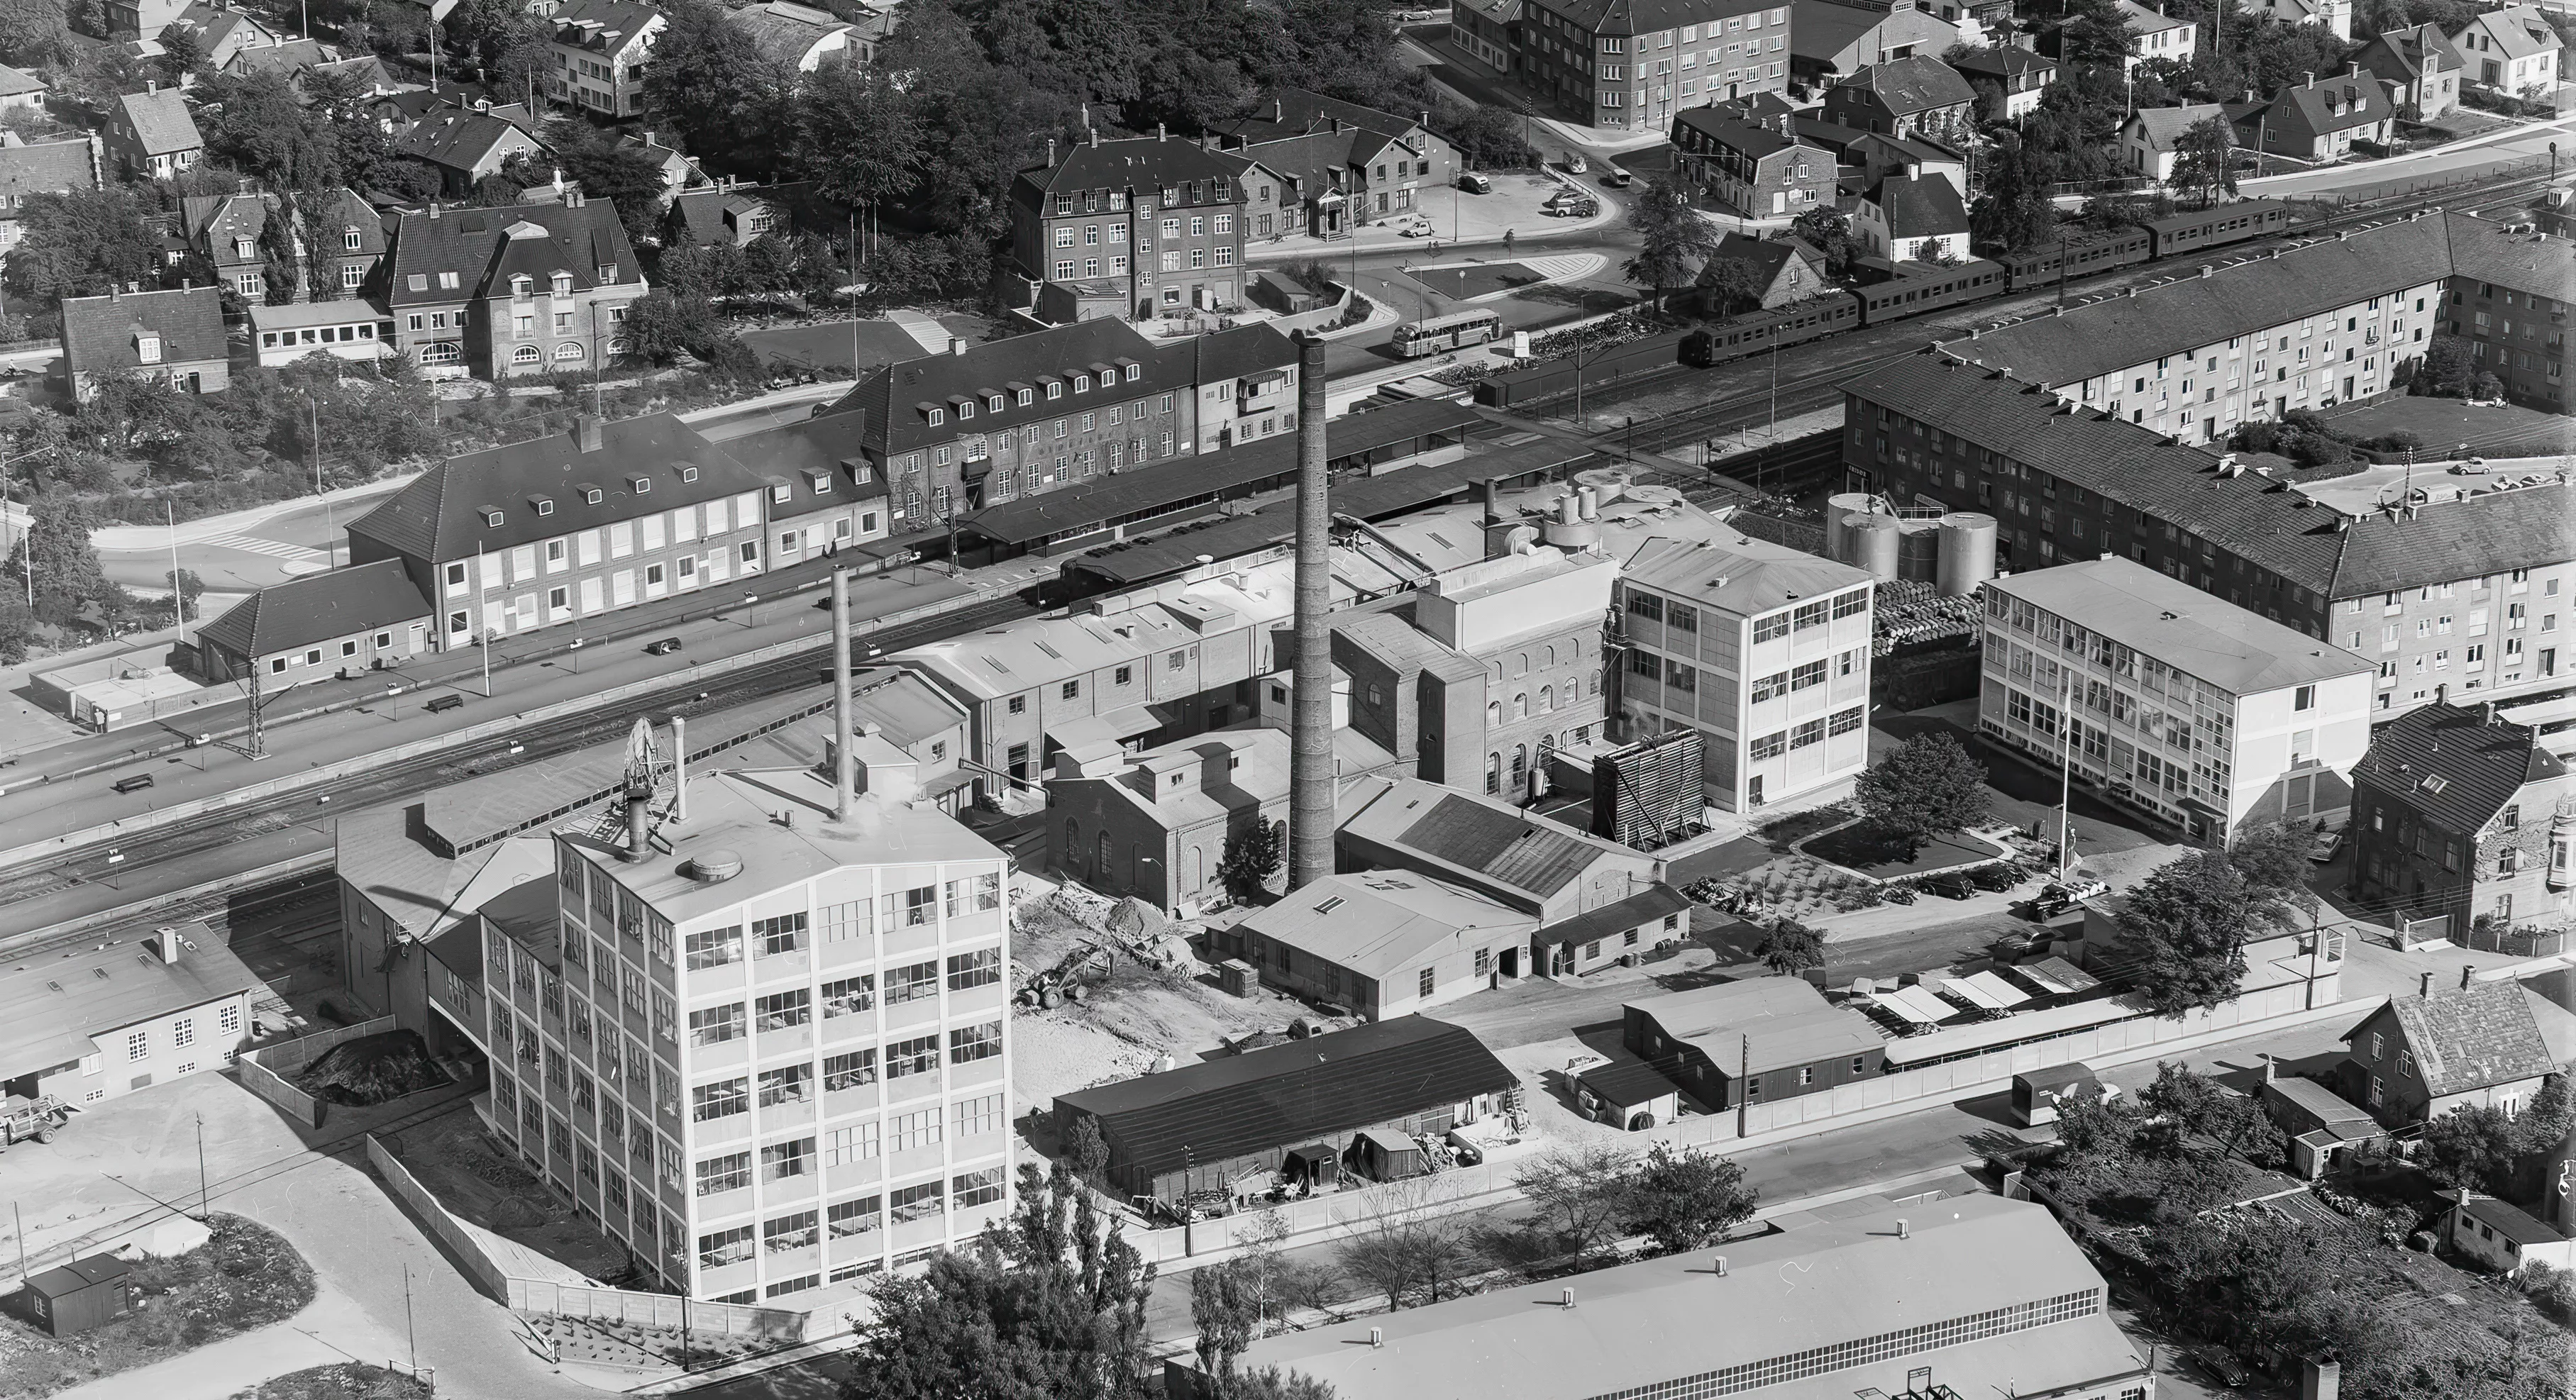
x: 1995, y: 877
x: 1948, y: 886
x: 448, y: 701
x: 664, y: 647
x: 1415, y: 227
x: 1474, y: 183
x: 137, y: 783
x: 1616, y: 179
x: 1572, y: 207
x: 1574, y: 163
x: 2221, y: 1365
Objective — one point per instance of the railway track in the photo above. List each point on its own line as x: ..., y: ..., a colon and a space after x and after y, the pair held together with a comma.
x: 400, y: 780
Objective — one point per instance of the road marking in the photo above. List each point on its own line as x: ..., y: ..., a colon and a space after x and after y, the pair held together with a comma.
x: 275, y: 549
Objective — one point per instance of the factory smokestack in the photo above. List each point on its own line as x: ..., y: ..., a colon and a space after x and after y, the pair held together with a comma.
x: 1310, y: 792
x: 679, y: 769
x: 844, y: 772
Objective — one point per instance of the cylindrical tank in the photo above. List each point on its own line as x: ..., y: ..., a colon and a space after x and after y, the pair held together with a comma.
x: 1918, y: 550
x: 1967, y: 553
x: 1591, y: 502
x: 1876, y: 542
x: 1838, y: 541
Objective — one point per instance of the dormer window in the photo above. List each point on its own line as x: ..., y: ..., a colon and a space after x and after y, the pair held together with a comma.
x: 993, y: 404
x: 245, y: 249
x: 447, y: 281
x: 1055, y: 389
x: 965, y: 408
x: 1082, y: 384
x: 821, y: 482
x: 544, y: 506
x: 1025, y: 396
x: 640, y: 484
x: 492, y: 517
x: 592, y: 495
x: 938, y: 416
x: 607, y: 274
x: 1134, y: 373
x: 563, y: 284
x: 147, y: 348
x: 351, y: 239
x: 522, y: 287
x: 688, y: 473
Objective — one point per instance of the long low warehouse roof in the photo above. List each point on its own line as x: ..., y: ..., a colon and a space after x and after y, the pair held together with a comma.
x: 1291, y: 1094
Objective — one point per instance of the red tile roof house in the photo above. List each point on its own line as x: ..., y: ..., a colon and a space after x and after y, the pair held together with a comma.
x: 1904, y: 97
x: 175, y: 333
x: 513, y: 291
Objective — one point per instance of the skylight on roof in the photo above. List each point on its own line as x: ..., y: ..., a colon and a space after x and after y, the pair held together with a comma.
x: 2435, y: 782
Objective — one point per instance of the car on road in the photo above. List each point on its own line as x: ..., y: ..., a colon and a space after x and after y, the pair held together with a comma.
x: 1616, y: 179
x: 1570, y: 204
x: 1574, y: 163
x: 1415, y: 227
x: 1474, y: 183
x: 137, y: 783
x: 664, y: 647
x: 448, y: 701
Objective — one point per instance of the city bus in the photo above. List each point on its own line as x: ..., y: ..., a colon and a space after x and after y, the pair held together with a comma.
x: 1434, y: 334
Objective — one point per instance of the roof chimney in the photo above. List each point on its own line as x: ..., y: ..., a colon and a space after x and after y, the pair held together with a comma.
x: 2271, y: 1068
x: 639, y: 796
x: 1493, y: 503
x: 1050, y: 153
x: 1913, y: 170
x: 588, y: 432
x: 956, y: 345
x: 165, y: 941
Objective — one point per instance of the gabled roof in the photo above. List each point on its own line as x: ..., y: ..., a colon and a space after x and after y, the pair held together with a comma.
x: 286, y: 59
x: 2162, y: 127
x: 160, y: 121
x: 16, y: 82
x: 1610, y: 920
x: 1767, y: 255
x: 1918, y: 208
x: 440, y: 515
x: 316, y: 608
x: 2510, y: 1222
x: 2139, y: 19
x: 101, y: 333
x: 460, y: 139
x: 1638, y: 16
x: 1379, y: 922
x: 1467, y: 836
x: 2331, y: 104
x: 610, y: 28
x: 483, y: 247
x: 46, y: 167
x: 784, y: 33
x: 1139, y: 162
x: 1821, y: 30
x: 2409, y: 53
x: 2246, y: 515
x: 2480, y: 1035
x: 1292, y: 1094
x: 51, y: 1008
x: 2454, y: 765
x: 2001, y: 61
x: 1288, y: 111
x: 2518, y: 31
x: 1772, y: 1022
x: 897, y: 398
x: 1908, y: 85
x: 2216, y: 641
x: 2525, y: 261
x: 1728, y: 131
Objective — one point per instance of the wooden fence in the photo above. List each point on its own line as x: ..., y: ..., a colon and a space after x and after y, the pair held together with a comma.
x: 528, y: 1295
x: 264, y: 1070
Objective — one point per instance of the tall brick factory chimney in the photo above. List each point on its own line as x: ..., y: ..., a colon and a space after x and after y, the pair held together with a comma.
x: 1310, y: 765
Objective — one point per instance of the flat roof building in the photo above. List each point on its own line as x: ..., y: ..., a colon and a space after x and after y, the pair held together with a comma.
x: 1971, y: 1296
x: 2171, y: 701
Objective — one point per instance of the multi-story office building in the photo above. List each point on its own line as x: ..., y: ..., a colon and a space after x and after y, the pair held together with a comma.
x: 2171, y: 701
x: 2336, y: 320
x: 1129, y: 229
x: 601, y: 50
x: 2453, y: 583
x: 561, y: 528
x: 1041, y: 412
x: 765, y: 1049
x: 1763, y: 649
x: 1623, y: 68
x: 2509, y: 296
x: 522, y: 290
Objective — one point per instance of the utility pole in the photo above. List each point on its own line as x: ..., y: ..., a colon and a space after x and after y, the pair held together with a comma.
x: 205, y: 1207
x: 482, y: 620
x: 1775, y: 395
x: 2065, y: 772
x: 410, y: 1330
x: 178, y: 591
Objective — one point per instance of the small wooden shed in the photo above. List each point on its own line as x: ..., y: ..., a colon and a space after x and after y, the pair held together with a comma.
x: 79, y: 1295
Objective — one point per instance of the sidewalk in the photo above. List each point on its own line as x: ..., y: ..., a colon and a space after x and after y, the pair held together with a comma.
x: 1459, y: 220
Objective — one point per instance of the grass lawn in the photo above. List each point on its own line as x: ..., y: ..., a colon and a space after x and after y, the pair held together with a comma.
x: 1860, y: 847
x: 349, y: 1380
x: 245, y: 1277
x: 2444, y: 424
x: 1460, y: 283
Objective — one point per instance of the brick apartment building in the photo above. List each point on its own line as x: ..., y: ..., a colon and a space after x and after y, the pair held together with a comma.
x: 1627, y: 66
x: 501, y: 293
x: 1756, y: 169
x: 1341, y: 164
x: 2508, y: 297
x: 1040, y: 412
x: 1130, y: 229
x: 2460, y: 814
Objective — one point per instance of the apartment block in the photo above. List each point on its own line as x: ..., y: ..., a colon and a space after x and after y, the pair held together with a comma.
x: 2171, y: 701
x: 1129, y: 229
x: 2309, y: 327
x: 2454, y: 582
x: 764, y: 1048
x: 1763, y: 649
x: 2460, y: 814
x: 508, y: 292
x: 1622, y: 68
x: 2508, y: 297
x: 601, y: 51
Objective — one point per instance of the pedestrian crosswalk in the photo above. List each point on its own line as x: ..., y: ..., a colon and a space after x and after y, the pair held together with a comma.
x: 275, y: 549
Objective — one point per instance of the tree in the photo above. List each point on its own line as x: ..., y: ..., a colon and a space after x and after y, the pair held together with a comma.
x: 1830, y: 232
x: 1733, y: 284
x: 1675, y: 239
x: 17, y: 626
x: 33, y: 33
x: 2446, y: 371
x: 858, y: 138
x: 280, y: 269
x: 1088, y: 1151
x: 2205, y: 160
x: 2470, y: 1147
x: 607, y: 169
x: 260, y: 127
x: 2273, y: 858
x: 2015, y: 210
x: 84, y: 243
x: 1683, y: 1200
x: 2544, y: 1122
x: 1580, y: 1192
x: 185, y: 589
x: 2187, y: 922
x: 1929, y: 784
x: 1278, y: 1383
x: 2197, y: 1105
x: 1791, y: 948
x: 2095, y: 34
x: 712, y: 85
x: 182, y: 54
x: 1225, y: 1308
x: 1254, y: 852
x: 1051, y: 1304
x: 68, y: 576
x: 507, y: 46
x: 1413, y: 1242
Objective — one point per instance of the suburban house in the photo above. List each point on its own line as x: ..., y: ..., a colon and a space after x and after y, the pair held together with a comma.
x: 1626, y: 69
x: 2008, y: 80
x: 1881, y: 156
x: 2332, y: 14
x: 174, y: 334
x: 108, y: 1020
x: 2514, y: 51
x: 21, y: 91
x: 2462, y: 816
x: 42, y: 167
x: 797, y: 38
x: 1902, y: 97
x: 1829, y: 40
x: 2155, y: 34
x: 1378, y: 163
x: 152, y: 135
x: 467, y: 145
x: 2151, y: 138
x: 2322, y: 1126
x: 316, y: 626
x: 2502, y: 1238
x: 1130, y: 229
x: 601, y: 49
x: 139, y: 19
x: 226, y: 230
x: 2421, y: 68
x: 1760, y: 1040
x: 517, y: 290
x: 1156, y: 823
x: 1384, y: 943
x: 225, y: 34
x: 1307, y: 1110
x: 2319, y: 119
x: 1789, y: 268
x: 1759, y: 169
x: 1910, y: 219
x: 2489, y: 1043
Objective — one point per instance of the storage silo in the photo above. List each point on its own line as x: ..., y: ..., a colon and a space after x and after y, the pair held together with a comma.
x: 1877, y: 543
x: 1967, y: 553
x: 1840, y: 508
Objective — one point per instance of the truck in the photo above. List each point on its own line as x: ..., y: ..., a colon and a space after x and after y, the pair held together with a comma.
x: 22, y: 1118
